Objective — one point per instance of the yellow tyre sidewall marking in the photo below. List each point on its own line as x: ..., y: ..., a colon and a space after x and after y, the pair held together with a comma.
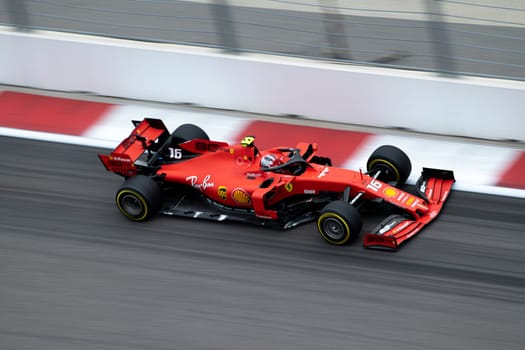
x: 338, y: 217
x: 140, y: 198
x: 398, y: 175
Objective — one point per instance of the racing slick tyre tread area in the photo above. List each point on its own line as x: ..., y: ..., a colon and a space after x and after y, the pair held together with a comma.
x: 339, y: 223
x: 139, y: 198
x: 393, y: 162
x: 189, y: 132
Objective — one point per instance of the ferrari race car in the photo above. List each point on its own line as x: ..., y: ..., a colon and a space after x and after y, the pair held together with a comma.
x: 184, y: 173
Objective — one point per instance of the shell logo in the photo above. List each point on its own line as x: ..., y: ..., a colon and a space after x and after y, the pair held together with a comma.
x: 241, y: 197
x: 389, y: 192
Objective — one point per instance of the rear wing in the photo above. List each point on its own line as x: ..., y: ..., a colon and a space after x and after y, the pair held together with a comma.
x: 149, y: 136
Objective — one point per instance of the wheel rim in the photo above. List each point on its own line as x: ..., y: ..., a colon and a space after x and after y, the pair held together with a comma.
x: 132, y: 205
x: 334, y: 229
x: 388, y: 171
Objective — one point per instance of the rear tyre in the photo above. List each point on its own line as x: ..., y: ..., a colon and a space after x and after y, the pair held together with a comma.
x: 139, y: 198
x: 393, y: 163
x: 339, y: 223
x: 187, y: 132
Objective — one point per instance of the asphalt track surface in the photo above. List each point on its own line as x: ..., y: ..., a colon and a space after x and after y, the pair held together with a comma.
x: 75, y: 274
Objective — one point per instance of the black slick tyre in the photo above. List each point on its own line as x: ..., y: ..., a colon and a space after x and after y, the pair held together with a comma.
x: 339, y: 223
x: 139, y: 198
x: 187, y: 132
x: 392, y: 162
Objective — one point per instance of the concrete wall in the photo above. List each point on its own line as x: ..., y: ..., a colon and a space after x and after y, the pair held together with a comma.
x: 480, y: 108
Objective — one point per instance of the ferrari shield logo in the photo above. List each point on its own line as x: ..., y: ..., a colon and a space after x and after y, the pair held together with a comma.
x: 221, y: 191
x: 289, y: 187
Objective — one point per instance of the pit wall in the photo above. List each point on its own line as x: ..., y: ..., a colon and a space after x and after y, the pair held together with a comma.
x: 423, y: 102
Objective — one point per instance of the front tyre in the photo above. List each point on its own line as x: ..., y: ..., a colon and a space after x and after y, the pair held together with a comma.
x: 339, y: 223
x: 139, y: 198
x: 393, y: 164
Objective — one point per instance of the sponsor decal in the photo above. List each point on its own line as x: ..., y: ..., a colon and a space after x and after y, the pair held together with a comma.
x: 417, y: 203
x: 289, y: 187
x: 240, y: 196
x: 222, y: 192
x: 119, y: 159
x: 323, y: 172
x: 175, y: 153
x: 421, y: 206
x: 203, y: 185
x: 378, y: 239
x: 410, y: 201
x: 208, y: 146
x: 253, y: 175
x: 390, y: 192
x: 309, y: 191
x: 374, y: 185
x: 401, y: 227
x: 387, y: 227
x: 423, y: 187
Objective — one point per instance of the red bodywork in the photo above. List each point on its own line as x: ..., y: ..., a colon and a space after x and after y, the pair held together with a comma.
x: 231, y: 175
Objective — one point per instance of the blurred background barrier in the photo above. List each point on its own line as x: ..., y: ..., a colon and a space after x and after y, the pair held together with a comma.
x: 275, y: 85
x: 450, y: 37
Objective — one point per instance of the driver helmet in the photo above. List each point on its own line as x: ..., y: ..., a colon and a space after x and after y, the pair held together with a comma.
x: 270, y: 160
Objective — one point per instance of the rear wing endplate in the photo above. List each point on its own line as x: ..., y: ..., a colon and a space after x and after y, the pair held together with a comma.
x: 147, y: 136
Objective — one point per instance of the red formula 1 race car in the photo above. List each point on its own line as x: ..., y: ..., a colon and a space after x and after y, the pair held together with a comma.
x: 186, y: 174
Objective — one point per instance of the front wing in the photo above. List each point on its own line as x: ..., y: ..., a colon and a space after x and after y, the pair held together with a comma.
x: 433, y: 186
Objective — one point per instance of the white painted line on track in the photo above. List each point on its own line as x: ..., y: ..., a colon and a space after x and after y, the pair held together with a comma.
x: 60, y: 138
x: 486, y: 189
